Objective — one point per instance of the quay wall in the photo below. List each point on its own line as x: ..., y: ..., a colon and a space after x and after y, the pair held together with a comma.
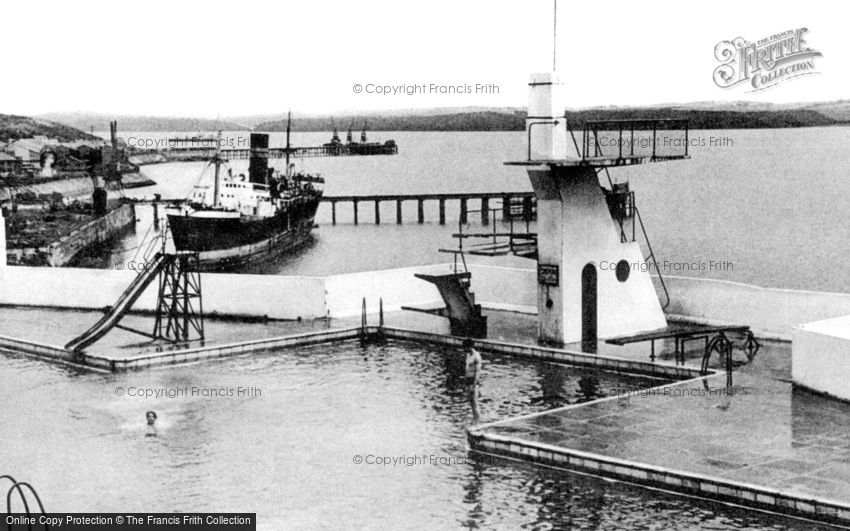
x: 98, y: 230
x: 62, y: 251
x: 771, y: 312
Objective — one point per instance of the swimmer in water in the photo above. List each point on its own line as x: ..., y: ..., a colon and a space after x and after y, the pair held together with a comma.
x: 151, y: 418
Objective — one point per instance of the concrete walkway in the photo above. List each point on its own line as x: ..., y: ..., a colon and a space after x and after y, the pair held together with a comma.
x: 761, y: 432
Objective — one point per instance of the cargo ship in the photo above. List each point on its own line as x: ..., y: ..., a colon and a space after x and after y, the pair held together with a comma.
x: 237, y: 222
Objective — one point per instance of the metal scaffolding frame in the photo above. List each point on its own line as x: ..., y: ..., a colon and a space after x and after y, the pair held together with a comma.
x: 180, y: 311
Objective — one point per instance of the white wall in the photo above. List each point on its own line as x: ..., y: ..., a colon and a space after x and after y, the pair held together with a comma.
x: 278, y: 297
x: 397, y: 287
x: 505, y: 288
x: 770, y: 312
x: 820, y: 357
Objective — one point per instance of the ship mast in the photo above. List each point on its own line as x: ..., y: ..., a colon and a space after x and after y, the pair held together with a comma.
x: 217, y: 162
x: 288, y: 128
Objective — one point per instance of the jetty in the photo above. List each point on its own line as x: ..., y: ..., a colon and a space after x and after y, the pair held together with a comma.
x: 203, y: 149
x: 513, y: 204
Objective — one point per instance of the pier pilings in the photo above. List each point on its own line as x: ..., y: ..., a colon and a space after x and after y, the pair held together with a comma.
x: 517, y: 205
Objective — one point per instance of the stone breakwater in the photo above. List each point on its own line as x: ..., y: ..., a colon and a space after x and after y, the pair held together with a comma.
x: 60, y: 252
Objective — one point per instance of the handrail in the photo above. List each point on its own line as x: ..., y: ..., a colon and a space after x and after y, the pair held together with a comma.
x: 532, y: 124
x: 652, y: 255
x: 573, y: 135
x: 9, y: 500
x: 16, y: 485
x: 593, y: 126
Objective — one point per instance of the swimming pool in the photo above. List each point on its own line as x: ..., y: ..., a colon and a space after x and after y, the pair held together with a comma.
x: 287, y: 447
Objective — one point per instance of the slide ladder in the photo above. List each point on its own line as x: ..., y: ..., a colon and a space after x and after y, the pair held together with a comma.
x: 114, y: 314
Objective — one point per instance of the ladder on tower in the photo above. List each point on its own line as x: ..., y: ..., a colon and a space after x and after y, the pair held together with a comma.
x: 621, y: 203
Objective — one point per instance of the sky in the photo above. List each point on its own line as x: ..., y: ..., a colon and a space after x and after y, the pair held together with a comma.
x: 212, y: 58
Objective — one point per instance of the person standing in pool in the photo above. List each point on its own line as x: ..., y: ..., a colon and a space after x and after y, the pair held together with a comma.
x: 151, y: 419
x: 473, y: 375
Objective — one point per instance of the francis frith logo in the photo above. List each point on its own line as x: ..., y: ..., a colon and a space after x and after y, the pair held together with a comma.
x: 765, y: 63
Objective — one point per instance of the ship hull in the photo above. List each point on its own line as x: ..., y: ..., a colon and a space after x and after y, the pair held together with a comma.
x: 231, y: 243
x: 254, y: 254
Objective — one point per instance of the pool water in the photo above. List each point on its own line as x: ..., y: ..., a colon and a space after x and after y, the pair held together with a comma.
x: 287, y: 445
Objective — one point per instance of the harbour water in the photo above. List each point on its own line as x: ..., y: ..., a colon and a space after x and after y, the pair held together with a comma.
x: 736, y: 211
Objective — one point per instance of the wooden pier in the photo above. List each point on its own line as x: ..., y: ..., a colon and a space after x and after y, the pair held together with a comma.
x: 206, y: 152
x: 513, y: 205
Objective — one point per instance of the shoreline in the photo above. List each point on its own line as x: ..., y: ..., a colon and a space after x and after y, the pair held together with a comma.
x: 77, y: 187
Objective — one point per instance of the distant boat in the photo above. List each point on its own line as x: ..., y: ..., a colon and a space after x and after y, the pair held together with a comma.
x: 350, y: 147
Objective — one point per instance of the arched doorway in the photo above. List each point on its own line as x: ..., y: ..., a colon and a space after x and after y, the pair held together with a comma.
x: 588, y: 308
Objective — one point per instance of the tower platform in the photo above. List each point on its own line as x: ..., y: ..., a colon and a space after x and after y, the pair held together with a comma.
x: 612, y: 143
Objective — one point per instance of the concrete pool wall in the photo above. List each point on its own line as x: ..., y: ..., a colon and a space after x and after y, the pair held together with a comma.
x: 683, y: 482
x: 337, y: 296
x: 193, y: 355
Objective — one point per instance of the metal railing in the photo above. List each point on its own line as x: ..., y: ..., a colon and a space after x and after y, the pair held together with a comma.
x: 18, y: 486
x: 495, y: 242
x: 625, y: 143
x: 652, y: 257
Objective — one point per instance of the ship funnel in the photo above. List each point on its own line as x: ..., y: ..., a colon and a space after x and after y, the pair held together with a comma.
x: 258, y: 165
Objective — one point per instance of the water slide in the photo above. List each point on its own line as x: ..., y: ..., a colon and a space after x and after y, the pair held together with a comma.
x: 121, y: 306
x: 465, y: 318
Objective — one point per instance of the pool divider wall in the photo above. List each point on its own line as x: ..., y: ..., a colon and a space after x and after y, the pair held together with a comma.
x: 44, y: 350
x: 174, y: 357
x: 193, y: 355
x: 568, y: 357
x: 692, y: 484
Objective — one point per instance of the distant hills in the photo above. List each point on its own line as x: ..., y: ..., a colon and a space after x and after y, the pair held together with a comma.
x: 701, y: 115
x: 462, y: 121
x: 85, y: 121
x: 13, y: 127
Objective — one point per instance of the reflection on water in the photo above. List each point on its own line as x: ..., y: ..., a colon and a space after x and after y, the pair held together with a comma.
x: 289, y: 452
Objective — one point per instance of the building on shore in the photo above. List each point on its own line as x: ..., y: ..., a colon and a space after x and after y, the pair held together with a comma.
x: 8, y: 163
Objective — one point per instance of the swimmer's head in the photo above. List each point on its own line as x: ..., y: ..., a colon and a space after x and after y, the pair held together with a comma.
x: 151, y: 416
x: 468, y: 344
